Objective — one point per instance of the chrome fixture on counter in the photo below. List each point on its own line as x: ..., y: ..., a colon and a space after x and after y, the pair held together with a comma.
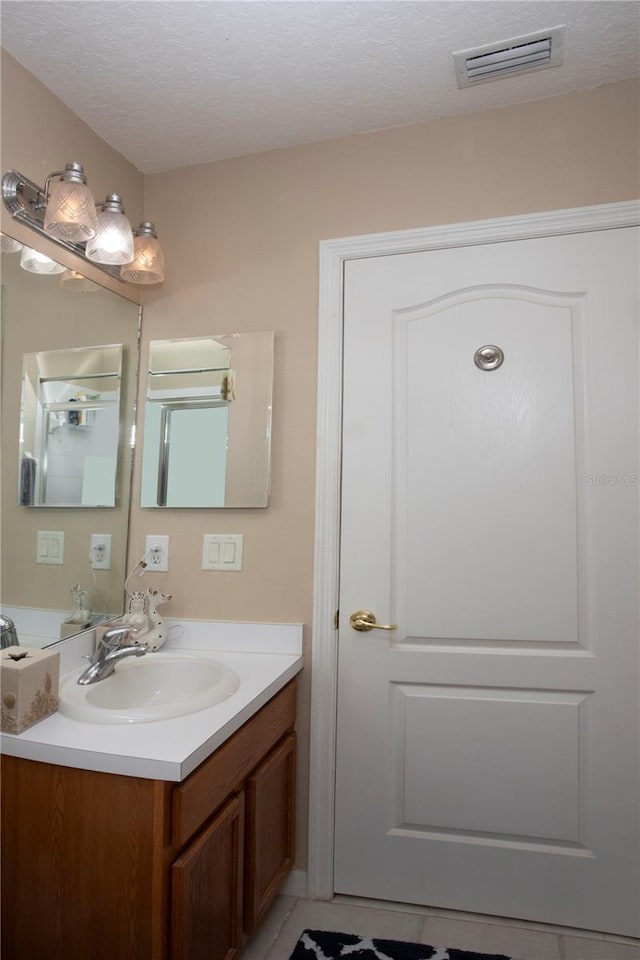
x: 108, y: 653
x: 8, y: 635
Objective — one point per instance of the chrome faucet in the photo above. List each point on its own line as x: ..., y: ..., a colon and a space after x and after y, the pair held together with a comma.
x: 108, y: 652
x: 8, y: 635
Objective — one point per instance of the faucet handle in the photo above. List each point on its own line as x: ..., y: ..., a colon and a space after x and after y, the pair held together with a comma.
x: 113, y: 638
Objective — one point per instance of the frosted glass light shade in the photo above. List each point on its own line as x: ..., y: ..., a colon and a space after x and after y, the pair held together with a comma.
x: 73, y: 281
x: 148, y: 259
x: 113, y: 242
x: 71, y: 210
x: 9, y: 245
x: 35, y: 262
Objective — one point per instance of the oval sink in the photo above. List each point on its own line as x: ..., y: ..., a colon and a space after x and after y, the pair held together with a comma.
x: 154, y: 687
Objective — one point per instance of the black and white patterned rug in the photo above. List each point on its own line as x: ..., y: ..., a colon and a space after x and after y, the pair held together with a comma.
x: 325, y: 945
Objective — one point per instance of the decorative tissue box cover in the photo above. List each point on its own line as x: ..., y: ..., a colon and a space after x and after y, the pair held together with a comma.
x: 69, y: 628
x: 28, y: 686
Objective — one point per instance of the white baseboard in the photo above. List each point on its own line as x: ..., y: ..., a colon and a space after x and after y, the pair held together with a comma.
x: 296, y: 884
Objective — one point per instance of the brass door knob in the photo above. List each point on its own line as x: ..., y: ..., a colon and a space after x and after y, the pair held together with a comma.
x: 364, y: 620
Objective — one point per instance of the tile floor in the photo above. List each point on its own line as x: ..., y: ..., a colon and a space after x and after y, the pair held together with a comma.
x: 289, y: 916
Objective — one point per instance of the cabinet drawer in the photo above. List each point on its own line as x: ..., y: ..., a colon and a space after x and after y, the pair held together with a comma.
x: 195, y: 800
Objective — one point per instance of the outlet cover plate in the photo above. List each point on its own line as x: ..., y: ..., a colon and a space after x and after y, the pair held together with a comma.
x: 157, y: 554
x: 100, y: 555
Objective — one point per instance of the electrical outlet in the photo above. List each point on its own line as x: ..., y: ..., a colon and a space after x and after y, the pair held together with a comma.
x: 100, y: 552
x: 157, y: 554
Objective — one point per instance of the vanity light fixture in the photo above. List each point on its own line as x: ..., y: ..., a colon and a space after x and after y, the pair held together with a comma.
x: 113, y: 242
x: 9, y: 245
x: 70, y: 210
x: 75, y: 282
x: 67, y: 214
x: 34, y: 262
x: 148, y: 261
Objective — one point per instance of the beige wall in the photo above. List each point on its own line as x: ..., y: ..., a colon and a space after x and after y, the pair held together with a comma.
x: 241, y: 243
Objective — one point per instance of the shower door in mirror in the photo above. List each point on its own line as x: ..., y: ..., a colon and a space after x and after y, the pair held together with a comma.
x: 207, y: 424
x: 69, y: 427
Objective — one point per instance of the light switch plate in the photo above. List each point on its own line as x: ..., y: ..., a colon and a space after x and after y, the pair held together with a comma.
x: 222, y: 551
x: 50, y: 548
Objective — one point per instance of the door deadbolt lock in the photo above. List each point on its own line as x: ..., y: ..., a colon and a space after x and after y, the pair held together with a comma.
x: 364, y: 620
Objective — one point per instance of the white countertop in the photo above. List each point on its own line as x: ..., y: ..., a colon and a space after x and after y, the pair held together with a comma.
x: 265, y: 657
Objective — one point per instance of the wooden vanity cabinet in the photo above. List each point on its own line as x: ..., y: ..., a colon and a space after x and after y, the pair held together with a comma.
x: 107, y: 866
x: 269, y: 838
x: 206, y: 922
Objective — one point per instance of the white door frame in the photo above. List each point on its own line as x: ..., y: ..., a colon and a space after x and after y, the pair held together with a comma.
x: 324, y: 656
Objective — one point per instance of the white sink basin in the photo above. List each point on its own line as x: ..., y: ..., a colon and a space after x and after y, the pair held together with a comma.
x: 156, y: 686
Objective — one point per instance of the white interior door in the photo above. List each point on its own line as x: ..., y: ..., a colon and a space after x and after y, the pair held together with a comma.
x: 487, y: 748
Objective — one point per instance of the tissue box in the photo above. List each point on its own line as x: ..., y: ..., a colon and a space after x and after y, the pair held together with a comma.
x: 69, y: 628
x: 28, y: 686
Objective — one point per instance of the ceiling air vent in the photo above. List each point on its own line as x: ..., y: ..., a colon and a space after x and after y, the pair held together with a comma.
x: 536, y: 51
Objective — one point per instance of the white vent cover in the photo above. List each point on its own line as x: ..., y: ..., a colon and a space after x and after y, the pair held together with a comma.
x: 535, y: 51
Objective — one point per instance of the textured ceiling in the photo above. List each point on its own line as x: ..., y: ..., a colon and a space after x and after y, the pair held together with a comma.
x: 171, y: 83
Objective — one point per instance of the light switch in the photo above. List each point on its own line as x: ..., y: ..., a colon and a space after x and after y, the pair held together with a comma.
x: 50, y: 546
x: 222, y: 551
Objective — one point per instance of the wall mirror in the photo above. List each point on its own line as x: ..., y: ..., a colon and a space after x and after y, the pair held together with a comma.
x: 64, y: 338
x: 207, y: 421
x: 69, y: 427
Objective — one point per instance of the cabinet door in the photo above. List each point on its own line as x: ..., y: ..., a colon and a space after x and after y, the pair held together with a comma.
x: 207, y: 890
x: 269, y: 844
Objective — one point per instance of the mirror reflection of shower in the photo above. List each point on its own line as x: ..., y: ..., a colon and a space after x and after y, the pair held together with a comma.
x: 207, y: 427
x: 69, y: 427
